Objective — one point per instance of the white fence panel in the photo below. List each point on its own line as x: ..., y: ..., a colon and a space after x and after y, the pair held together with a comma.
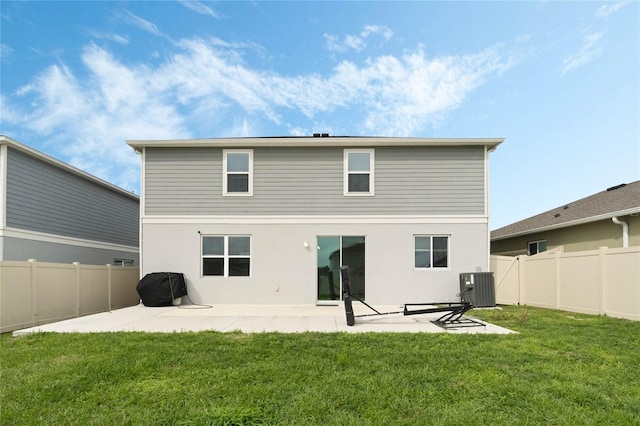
x: 34, y: 293
x: 622, y: 275
x: 580, y: 283
x: 604, y: 281
x: 505, y: 273
x: 541, y: 269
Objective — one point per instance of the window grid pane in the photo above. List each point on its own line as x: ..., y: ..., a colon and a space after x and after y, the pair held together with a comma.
x: 237, y: 183
x: 359, y: 162
x: 239, y: 246
x: 213, y: 246
x: 423, y: 243
x: 238, y: 162
x: 213, y: 266
x: 239, y: 267
x: 358, y: 182
x: 423, y: 259
x: 440, y: 252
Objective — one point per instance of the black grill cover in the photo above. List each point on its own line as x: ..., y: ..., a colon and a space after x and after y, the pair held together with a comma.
x: 160, y: 288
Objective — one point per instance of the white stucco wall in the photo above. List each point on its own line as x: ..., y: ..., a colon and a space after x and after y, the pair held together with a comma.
x: 284, y: 271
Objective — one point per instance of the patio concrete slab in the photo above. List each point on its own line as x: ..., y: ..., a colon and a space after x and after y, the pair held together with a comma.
x: 253, y: 319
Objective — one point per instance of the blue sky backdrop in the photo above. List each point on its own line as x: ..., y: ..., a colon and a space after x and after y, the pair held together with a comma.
x: 559, y: 80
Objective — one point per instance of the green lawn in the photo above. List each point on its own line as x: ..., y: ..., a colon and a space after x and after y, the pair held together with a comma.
x: 562, y: 369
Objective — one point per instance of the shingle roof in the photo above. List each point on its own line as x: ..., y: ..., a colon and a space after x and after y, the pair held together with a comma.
x: 615, y: 201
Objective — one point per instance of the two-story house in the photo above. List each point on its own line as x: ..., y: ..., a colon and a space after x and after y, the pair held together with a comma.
x: 270, y: 220
x: 53, y: 212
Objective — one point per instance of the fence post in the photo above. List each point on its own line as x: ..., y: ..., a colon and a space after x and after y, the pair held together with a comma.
x: 522, y: 281
x: 109, y: 285
x: 601, y: 278
x: 556, y: 261
x: 78, y: 289
x: 34, y: 292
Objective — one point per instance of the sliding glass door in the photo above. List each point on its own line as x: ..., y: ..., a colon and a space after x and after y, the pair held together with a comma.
x: 333, y: 252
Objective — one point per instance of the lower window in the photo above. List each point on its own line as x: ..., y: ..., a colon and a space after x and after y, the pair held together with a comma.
x: 431, y: 251
x: 226, y: 256
x: 536, y: 247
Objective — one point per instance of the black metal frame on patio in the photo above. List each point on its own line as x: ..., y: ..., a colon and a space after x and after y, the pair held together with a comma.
x: 452, y: 311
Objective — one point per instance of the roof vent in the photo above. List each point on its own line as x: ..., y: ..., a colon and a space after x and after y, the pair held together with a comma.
x: 325, y: 135
x: 316, y: 135
x: 613, y: 188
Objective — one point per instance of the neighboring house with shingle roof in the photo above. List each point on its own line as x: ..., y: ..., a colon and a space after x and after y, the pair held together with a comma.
x: 585, y: 224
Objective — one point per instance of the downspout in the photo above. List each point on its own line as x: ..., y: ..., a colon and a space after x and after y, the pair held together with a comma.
x: 625, y: 231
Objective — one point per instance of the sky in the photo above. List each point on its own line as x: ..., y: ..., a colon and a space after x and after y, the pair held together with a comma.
x: 560, y: 81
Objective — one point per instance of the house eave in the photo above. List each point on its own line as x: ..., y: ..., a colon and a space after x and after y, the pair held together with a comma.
x: 300, y: 142
x: 604, y: 216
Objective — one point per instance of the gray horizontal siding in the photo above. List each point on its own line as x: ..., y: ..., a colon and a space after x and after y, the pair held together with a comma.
x: 408, y: 180
x: 45, y: 198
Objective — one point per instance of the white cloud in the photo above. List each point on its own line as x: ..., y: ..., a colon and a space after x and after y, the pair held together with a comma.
x: 200, y: 8
x: 5, y: 52
x: 608, y: 9
x: 123, y: 40
x: 356, y: 42
x: 589, y: 50
x: 205, y: 87
x: 141, y: 23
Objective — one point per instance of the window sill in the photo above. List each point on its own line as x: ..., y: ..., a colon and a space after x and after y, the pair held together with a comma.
x: 237, y: 194
x: 359, y: 194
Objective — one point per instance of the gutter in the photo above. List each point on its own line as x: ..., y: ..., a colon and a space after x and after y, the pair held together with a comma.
x: 625, y: 231
x: 304, y: 141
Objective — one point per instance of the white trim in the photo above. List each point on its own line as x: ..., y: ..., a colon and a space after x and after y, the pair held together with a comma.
x: 371, y: 172
x: 143, y: 204
x: 3, y: 186
x: 292, y: 220
x: 59, y: 239
x: 486, y: 200
x: 334, y: 141
x: 486, y: 181
x: 225, y: 173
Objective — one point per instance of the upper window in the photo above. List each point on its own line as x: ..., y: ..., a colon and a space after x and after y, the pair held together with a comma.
x: 536, y: 247
x: 358, y: 171
x: 431, y: 251
x: 226, y: 256
x: 238, y: 172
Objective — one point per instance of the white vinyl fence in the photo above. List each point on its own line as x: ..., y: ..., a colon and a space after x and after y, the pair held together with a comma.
x: 604, y: 281
x: 34, y: 293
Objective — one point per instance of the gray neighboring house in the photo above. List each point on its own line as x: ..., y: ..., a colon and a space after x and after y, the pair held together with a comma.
x: 53, y: 212
x: 609, y: 218
x: 271, y: 220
